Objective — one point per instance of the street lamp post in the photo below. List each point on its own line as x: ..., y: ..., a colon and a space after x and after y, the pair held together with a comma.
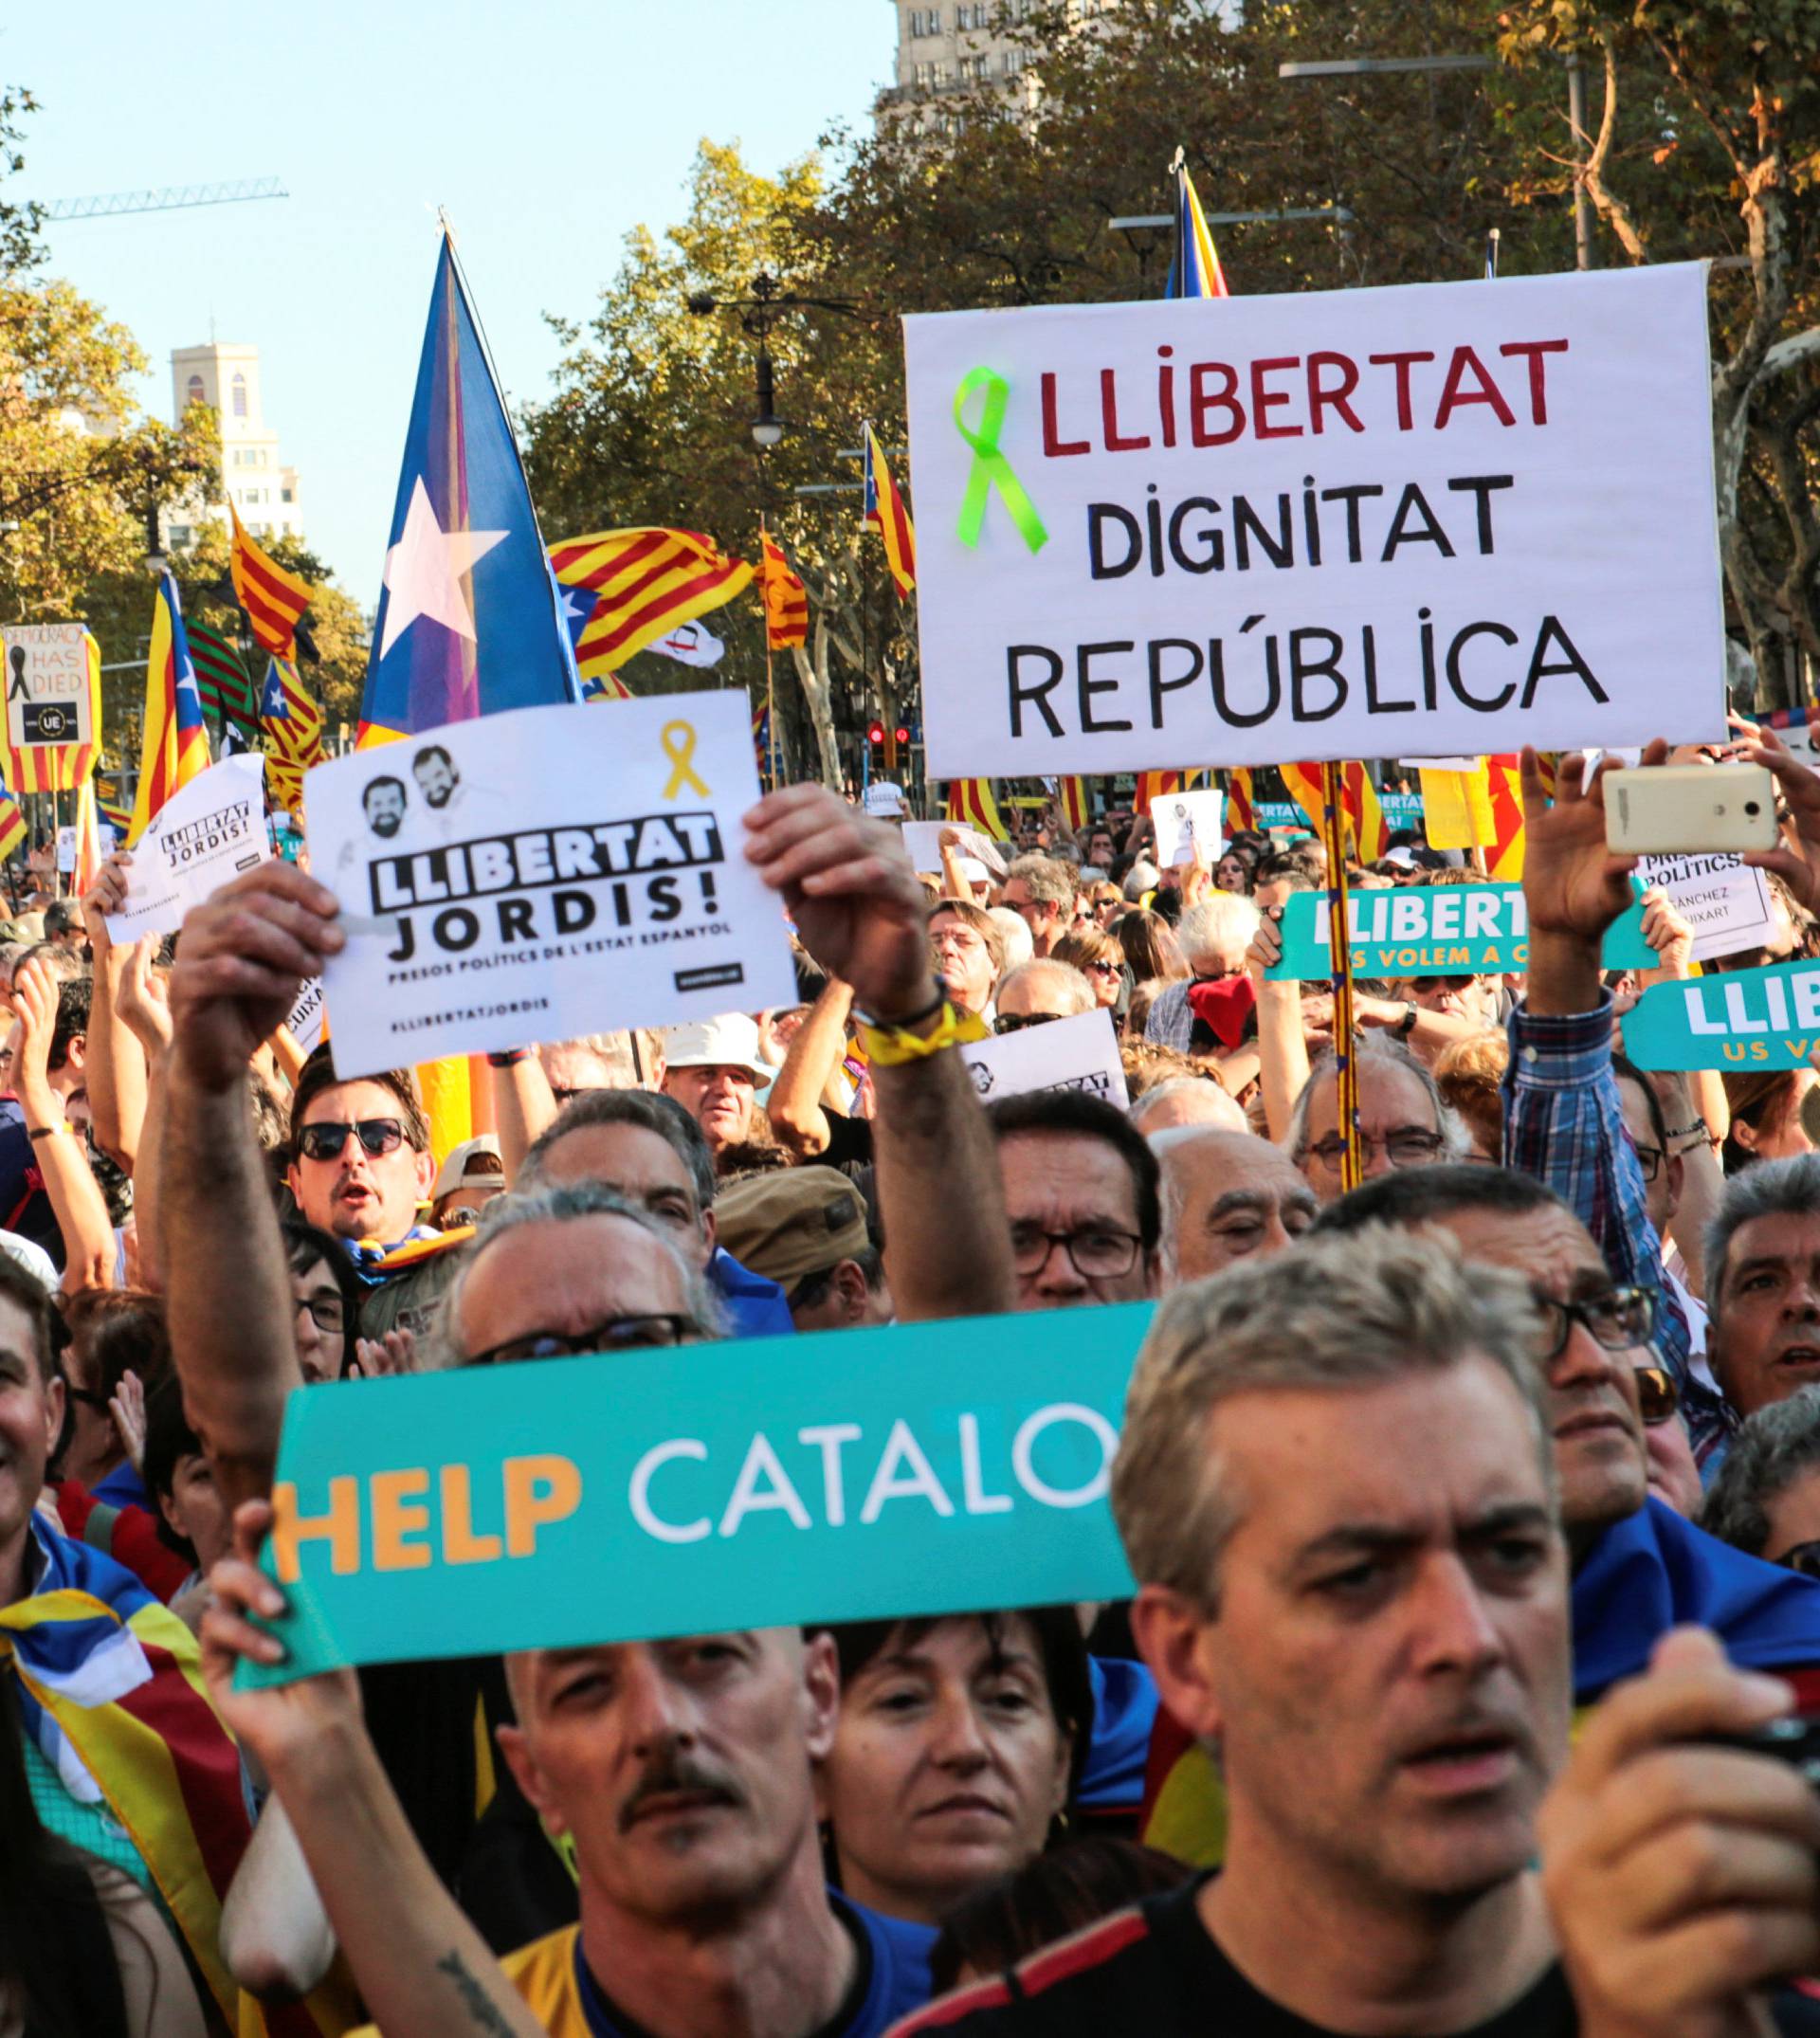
x: 1369, y: 67
x: 758, y: 315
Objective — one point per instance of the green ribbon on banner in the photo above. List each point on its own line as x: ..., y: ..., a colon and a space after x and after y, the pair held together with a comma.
x: 922, y: 1469
x: 990, y: 470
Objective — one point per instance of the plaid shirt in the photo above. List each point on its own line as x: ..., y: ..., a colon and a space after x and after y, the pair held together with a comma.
x: 1564, y: 1124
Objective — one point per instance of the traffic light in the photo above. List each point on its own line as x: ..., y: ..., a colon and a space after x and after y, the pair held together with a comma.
x: 875, y: 734
x: 904, y: 736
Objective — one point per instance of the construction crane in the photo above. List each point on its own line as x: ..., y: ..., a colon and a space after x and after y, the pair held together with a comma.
x: 112, y: 205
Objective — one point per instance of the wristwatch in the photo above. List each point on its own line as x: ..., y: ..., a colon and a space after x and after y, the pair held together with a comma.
x: 1406, y: 1025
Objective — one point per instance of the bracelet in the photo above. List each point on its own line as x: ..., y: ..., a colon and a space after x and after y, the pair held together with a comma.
x: 1693, y: 1125
x: 915, y: 1018
x: 892, y: 1046
x: 49, y: 1132
x: 510, y: 1059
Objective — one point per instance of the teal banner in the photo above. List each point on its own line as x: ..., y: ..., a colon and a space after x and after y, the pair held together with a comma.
x: 931, y: 1469
x: 1434, y: 930
x: 1766, y: 1018
x: 1401, y: 809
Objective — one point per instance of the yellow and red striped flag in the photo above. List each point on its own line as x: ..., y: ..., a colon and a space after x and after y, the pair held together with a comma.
x: 1075, y: 804
x: 12, y: 821
x: 970, y: 800
x: 887, y: 514
x: 88, y: 839
x: 786, y: 598
x: 176, y: 745
x: 1241, y: 807
x: 645, y: 582
x: 1364, y: 815
x: 273, y: 597
x: 56, y: 767
x: 1155, y: 785
x: 1505, y: 858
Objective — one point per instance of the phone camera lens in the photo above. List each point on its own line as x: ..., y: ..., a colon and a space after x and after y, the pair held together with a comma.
x: 1753, y: 806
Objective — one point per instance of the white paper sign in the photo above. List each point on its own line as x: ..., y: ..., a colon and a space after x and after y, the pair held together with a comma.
x: 1182, y: 820
x: 884, y: 800
x: 1080, y: 1053
x: 65, y: 849
x: 1441, y: 517
x: 305, y: 1022
x: 46, y: 677
x: 922, y: 840
x: 544, y: 873
x: 1725, y: 900
x: 205, y: 834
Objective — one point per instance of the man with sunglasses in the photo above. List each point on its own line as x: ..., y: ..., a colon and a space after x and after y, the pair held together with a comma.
x: 1037, y: 991
x: 362, y: 1171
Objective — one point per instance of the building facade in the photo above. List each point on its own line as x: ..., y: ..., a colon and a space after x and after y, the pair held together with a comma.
x: 253, y: 476
x: 954, y: 47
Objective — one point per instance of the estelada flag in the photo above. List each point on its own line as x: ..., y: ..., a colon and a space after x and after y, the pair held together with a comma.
x: 273, y: 597
x: 292, y: 725
x: 637, y: 585
x: 12, y: 821
x: 1072, y: 793
x: 1241, y: 807
x: 786, y: 598
x: 1195, y: 272
x: 57, y: 767
x: 468, y: 623
x: 971, y: 800
x: 887, y: 514
x: 176, y: 745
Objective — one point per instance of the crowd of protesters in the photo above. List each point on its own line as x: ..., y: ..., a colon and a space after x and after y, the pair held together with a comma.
x: 1516, y: 1444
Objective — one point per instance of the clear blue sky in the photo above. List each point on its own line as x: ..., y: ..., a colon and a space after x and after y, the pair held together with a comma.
x: 546, y: 127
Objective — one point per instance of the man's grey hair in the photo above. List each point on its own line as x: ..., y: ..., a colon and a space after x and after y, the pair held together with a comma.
x: 1230, y: 1119
x: 1142, y: 877
x: 568, y: 1203
x: 1768, y: 1188
x: 651, y: 1111
x: 1014, y: 934
x: 1456, y: 1141
x: 1051, y: 883
x: 1216, y: 924
x: 1361, y: 1311
x: 630, y: 1071
x: 1771, y: 1451
x: 1058, y: 985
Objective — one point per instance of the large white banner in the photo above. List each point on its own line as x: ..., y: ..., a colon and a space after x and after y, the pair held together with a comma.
x: 1434, y: 519
x: 544, y: 873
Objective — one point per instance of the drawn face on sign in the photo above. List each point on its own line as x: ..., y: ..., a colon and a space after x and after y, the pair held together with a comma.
x: 384, y: 803
x: 434, y: 771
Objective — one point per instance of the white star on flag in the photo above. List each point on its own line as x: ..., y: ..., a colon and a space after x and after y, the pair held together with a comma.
x: 423, y: 572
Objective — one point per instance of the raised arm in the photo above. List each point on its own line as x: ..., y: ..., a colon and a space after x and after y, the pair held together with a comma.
x: 1282, y: 1046
x: 76, y: 1198
x: 143, y: 1005
x: 115, y: 1065
x: 794, y: 1105
x: 241, y: 962
x: 862, y: 914
x: 523, y: 1105
x: 423, y: 1970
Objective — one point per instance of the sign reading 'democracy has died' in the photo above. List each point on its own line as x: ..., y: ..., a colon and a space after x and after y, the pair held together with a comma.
x: 1766, y: 1018
x: 543, y: 873
x: 1076, y: 1053
x: 929, y: 1468
x: 1433, y: 930
x: 1432, y: 519
x: 204, y: 834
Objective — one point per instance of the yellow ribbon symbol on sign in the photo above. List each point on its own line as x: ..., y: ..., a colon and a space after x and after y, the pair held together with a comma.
x: 679, y: 747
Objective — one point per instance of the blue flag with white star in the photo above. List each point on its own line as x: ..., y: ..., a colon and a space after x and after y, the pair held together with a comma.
x: 468, y: 621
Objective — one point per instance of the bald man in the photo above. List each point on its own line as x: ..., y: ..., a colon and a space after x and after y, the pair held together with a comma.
x: 1226, y: 1196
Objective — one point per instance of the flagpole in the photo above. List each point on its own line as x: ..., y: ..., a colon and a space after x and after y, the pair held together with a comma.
x: 771, y: 695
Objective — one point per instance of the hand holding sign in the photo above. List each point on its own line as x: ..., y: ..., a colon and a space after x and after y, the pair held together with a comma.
x: 848, y: 886
x: 107, y: 895
x: 1800, y: 866
x: 242, y: 960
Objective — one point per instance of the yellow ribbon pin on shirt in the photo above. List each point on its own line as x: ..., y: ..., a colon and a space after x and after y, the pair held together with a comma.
x: 678, y: 739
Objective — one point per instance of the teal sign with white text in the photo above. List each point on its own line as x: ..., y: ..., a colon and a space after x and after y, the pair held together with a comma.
x: 1767, y: 1018
x: 1433, y: 930
x: 916, y: 1470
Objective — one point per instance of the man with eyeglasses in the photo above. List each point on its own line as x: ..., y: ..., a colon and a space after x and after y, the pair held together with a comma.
x: 1041, y: 889
x: 1038, y: 991
x: 1403, y: 1121
x: 1082, y: 1200
x: 968, y: 955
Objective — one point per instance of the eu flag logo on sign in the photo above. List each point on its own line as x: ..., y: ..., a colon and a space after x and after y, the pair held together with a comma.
x: 468, y: 623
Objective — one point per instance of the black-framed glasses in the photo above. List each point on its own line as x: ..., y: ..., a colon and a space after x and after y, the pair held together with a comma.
x: 325, y: 1139
x: 1098, y: 1252
x: 617, y: 1334
x: 1016, y: 1022
x: 1617, y: 1319
x: 1658, y: 1397
x: 327, y: 1312
x: 1408, y: 1147
x: 1801, y: 1556
x: 1650, y: 1159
